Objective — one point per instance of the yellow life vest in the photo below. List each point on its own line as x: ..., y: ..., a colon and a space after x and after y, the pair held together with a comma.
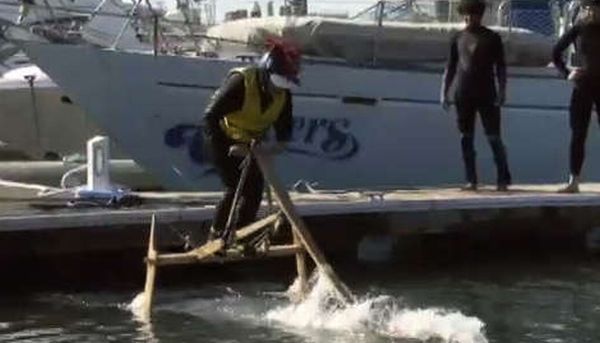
x: 251, y: 122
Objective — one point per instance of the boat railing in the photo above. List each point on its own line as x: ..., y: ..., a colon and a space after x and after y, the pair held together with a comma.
x: 149, y: 22
x: 545, y: 16
x: 164, y: 35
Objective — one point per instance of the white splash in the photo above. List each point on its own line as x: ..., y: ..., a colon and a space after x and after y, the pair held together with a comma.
x: 424, y: 324
x: 321, y: 309
x: 136, y: 306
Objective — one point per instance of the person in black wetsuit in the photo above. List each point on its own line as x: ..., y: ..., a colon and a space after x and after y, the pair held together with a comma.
x: 251, y: 100
x: 585, y: 34
x: 476, y: 59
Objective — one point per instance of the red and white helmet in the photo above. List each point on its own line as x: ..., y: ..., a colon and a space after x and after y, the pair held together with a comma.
x: 282, y: 63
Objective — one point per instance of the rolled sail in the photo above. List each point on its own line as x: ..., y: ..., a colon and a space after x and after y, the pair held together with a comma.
x: 360, y: 42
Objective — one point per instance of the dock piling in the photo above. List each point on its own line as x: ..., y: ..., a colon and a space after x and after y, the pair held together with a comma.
x: 301, y: 269
x: 150, y: 272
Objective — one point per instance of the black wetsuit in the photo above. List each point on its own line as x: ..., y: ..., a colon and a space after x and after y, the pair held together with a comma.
x: 476, y: 55
x: 586, y: 91
x: 230, y: 98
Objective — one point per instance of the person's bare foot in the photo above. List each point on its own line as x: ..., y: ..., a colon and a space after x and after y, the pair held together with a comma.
x: 572, y: 186
x: 502, y: 187
x: 469, y: 187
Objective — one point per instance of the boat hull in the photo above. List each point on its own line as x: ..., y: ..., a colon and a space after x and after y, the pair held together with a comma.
x: 39, y: 119
x: 353, y: 127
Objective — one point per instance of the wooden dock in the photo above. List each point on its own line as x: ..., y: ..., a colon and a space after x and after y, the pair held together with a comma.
x: 393, y: 212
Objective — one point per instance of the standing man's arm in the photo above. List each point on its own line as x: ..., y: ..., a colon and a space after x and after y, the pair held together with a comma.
x: 227, y: 99
x: 449, y: 74
x: 563, y: 43
x: 500, y: 71
x: 284, y: 124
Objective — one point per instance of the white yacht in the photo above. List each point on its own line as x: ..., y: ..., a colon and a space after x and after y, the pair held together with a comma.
x: 39, y: 120
x: 356, y: 125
